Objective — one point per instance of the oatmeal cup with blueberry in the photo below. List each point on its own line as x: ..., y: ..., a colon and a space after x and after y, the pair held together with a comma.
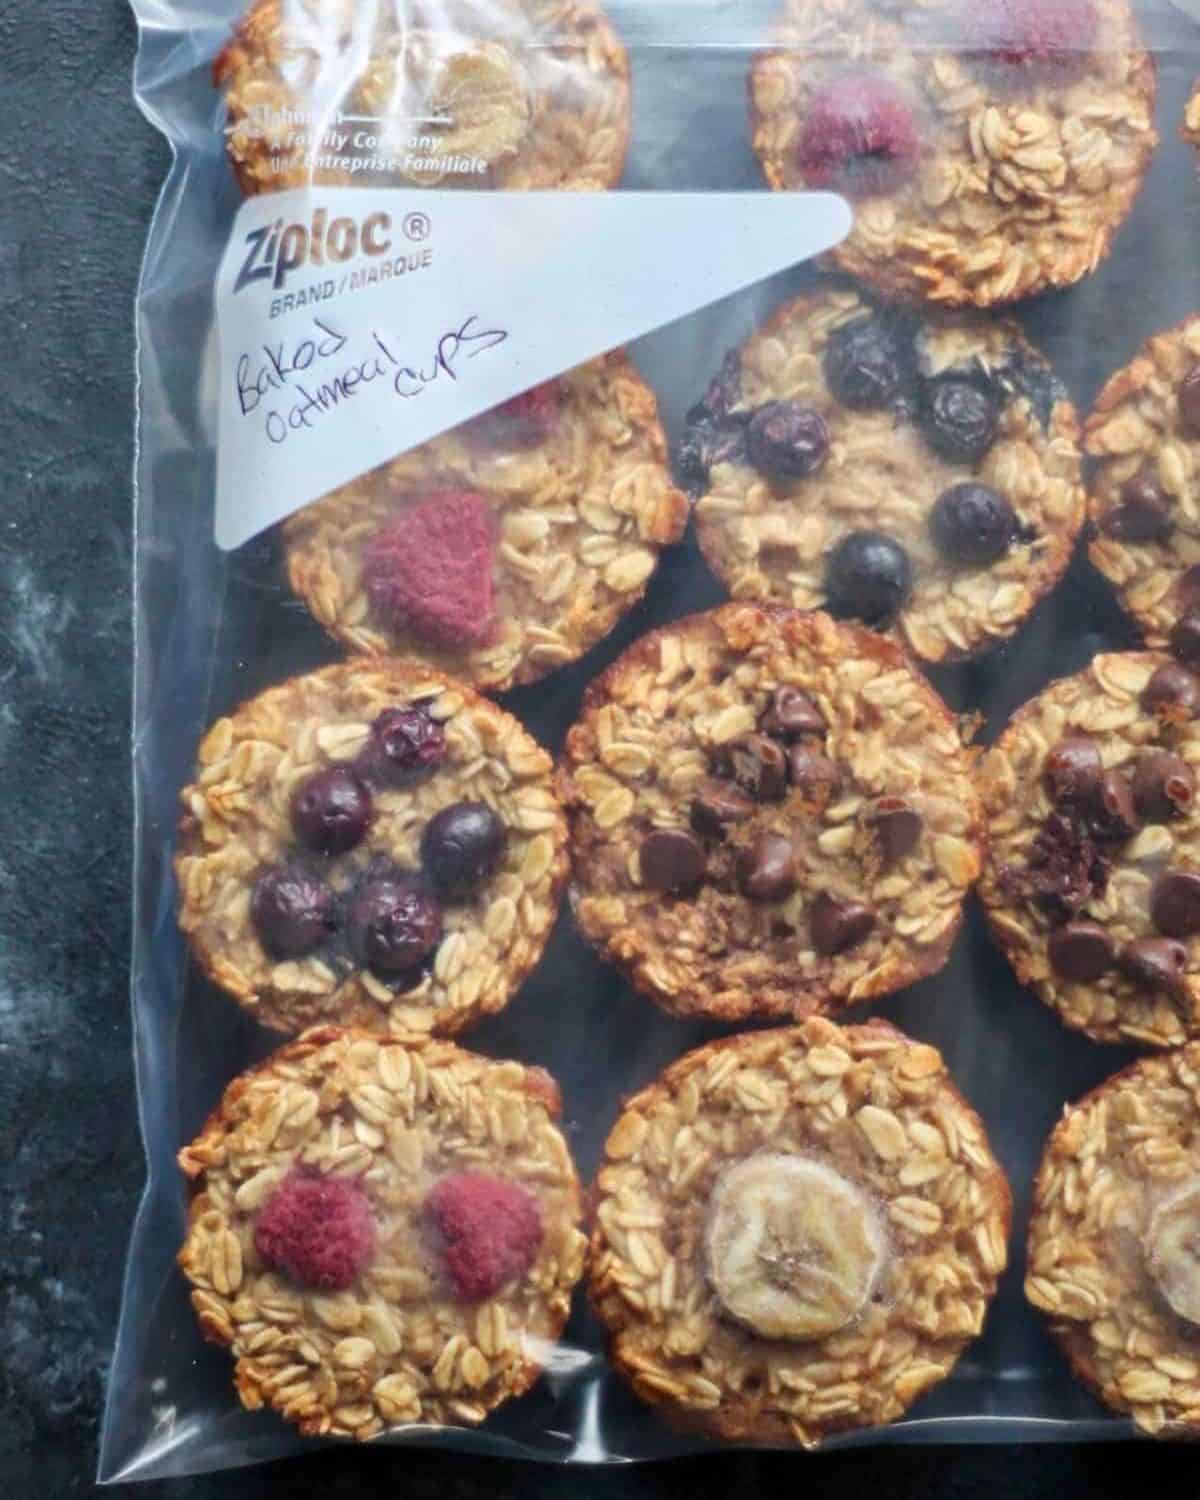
x: 797, y: 1232
x: 990, y: 148
x: 772, y: 815
x: 921, y: 474
x: 507, y: 547
x: 512, y: 94
x: 1092, y: 879
x: 383, y: 1232
x: 374, y: 845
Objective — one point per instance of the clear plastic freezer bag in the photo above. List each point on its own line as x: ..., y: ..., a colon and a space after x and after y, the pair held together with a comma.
x: 340, y: 321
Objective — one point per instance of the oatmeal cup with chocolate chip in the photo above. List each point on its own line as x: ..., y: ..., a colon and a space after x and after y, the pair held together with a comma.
x: 920, y: 474
x: 990, y: 148
x: 1092, y: 878
x: 1144, y: 493
x: 796, y: 1233
x: 382, y: 1232
x: 374, y: 845
x: 507, y: 547
x: 515, y: 94
x: 1114, y: 1242
x: 772, y: 815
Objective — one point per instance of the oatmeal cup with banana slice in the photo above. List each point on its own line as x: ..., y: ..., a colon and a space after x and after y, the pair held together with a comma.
x: 383, y: 1232
x: 796, y: 1233
x: 921, y: 474
x: 1113, y: 1259
x: 373, y: 845
x: 507, y: 547
x: 517, y: 94
x: 772, y: 814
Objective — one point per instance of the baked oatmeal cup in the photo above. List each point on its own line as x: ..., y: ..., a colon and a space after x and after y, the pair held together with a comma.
x: 507, y: 547
x: 990, y: 148
x: 512, y: 94
x: 796, y: 1233
x: 1144, y: 496
x: 374, y: 845
x: 1114, y: 1242
x: 1091, y: 882
x: 772, y: 815
x: 383, y: 1232
x: 921, y: 474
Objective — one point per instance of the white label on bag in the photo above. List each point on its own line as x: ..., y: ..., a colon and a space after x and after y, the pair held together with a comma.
x: 355, y: 325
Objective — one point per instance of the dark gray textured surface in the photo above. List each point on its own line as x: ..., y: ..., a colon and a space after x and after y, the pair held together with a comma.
x: 78, y: 171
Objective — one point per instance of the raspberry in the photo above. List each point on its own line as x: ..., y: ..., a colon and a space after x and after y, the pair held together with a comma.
x: 491, y: 1231
x: 860, y: 136
x: 524, y: 421
x: 1034, y: 33
x: 430, y: 569
x: 317, y: 1230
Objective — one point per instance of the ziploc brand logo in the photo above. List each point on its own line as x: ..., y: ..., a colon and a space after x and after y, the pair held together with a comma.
x: 274, y: 252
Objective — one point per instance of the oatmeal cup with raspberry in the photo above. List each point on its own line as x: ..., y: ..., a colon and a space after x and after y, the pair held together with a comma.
x: 990, y: 148
x: 382, y: 1232
x: 921, y: 474
x: 374, y: 845
x: 512, y: 94
x: 1092, y: 879
x: 796, y: 1233
x: 507, y: 547
x: 772, y: 815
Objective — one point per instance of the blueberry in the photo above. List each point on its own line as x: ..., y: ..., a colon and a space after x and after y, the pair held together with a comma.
x: 868, y: 577
x: 331, y: 810
x: 405, y: 744
x: 864, y: 364
x: 462, y: 846
x: 786, y: 440
x: 292, y: 911
x: 959, y: 419
x: 971, y: 523
x: 394, y: 922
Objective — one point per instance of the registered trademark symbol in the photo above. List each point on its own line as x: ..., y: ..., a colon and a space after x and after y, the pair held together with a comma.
x: 416, y: 226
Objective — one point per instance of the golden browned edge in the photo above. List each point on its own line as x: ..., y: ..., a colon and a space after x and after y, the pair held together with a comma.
x: 541, y: 1086
x: 1067, y: 1334
x: 644, y: 412
x: 738, y: 1419
x: 890, y: 278
x: 1119, y: 386
x: 1066, y: 424
x: 795, y: 623
x: 458, y: 1020
x: 242, y: 39
x: 1186, y: 132
x: 1016, y: 960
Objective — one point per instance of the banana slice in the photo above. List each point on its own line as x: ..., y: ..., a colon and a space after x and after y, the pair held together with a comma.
x: 1172, y: 1245
x: 794, y: 1249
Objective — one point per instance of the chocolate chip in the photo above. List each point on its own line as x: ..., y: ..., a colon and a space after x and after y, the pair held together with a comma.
x: 792, y: 714
x: 1154, y: 964
x: 1175, y: 903
x: 1185, y: 639
x: 1189, y: 402
x: 759, y: 766
x: 1072, y: 772
x: 1142, y: 514
x: 717, y: 804
x: 812, y: 774
x: 1113, y: 815
x: 1187, y: 590
x: 837, y: 926
x: 897, y: 825
x: 1066, y: 869
x: 1172, y: 694
x: 766, y: 869
x: 1081, y: 951
x: 672, y: 861
x: 1163, y: 786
